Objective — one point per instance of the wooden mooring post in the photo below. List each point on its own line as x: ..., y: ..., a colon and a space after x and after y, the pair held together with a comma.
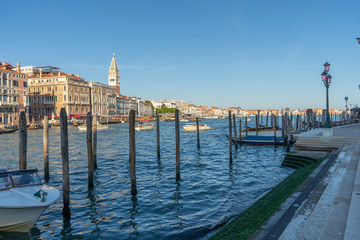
x: 240, y: 132
x: 157, y: 135
x: 230, y: 137
x: 288, y: 138
x: 297, y: 123
x: 65, y: 163
x: 132, y: 157
x: 235, y: 134
x: 94, y: 141
x: 267, y: 118
x: 246, y: 128
x: 177, y: 136
x: 89, y: 150
x: 274, y: 129
x: 46, y: 148
x: 257, y: 124
x: 198, y: 132
x: 22, y: 141
x: 282, y: 126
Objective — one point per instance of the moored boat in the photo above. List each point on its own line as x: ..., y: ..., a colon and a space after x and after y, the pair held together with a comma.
x: 8, y: 130
x: 253, y: 129
x: 23, y: 198
x: 259, y: 140
x: 145, y: 126
x: 192, y: 127
x: 98, y: 127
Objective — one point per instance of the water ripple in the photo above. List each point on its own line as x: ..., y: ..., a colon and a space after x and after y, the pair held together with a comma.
x: 211, y: 190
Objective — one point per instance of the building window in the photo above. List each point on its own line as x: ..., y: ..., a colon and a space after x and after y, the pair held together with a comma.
x: 25, y: 84
x: 15, y: 83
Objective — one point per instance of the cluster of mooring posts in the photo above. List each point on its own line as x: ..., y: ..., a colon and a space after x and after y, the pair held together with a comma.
x: 290, y: 125
x: 302, y: 123
x: 91, y: 136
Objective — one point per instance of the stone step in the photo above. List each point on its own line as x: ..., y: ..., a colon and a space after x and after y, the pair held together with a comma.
x: 309, y: 218
x: 336, y: 220
x: 352, y: 230
x: 314, y: 214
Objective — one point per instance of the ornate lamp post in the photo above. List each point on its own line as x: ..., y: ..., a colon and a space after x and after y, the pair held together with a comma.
x: 326, y: 78
x: 346, y: 100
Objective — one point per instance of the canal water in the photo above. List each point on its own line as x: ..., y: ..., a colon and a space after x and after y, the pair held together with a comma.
x: 210, y: 192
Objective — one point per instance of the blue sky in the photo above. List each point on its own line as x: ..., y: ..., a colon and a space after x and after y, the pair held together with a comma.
x: 252, y: 54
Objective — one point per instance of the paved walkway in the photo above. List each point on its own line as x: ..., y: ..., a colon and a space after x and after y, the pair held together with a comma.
x: 327, y: 205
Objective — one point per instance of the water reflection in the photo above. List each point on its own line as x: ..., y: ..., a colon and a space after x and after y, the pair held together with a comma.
x: 176, y: 197
x: 133, y: 211
x: 92, y: 196
x: 67, y: 230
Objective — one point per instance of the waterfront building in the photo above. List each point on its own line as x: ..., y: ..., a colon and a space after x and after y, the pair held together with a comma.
x: 144, y: 109
x: 183, y: 107
x: 114, y: 77
x: 69, y: 91
x: 195, y: 111
x: 41, y: 104
x: 235, y: 110
x: 124, y: 104
x: 215, y: 111
x: 13, y: 93
x: 103, y: 98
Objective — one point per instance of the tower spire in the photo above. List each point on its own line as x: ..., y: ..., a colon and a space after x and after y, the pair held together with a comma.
x: 114, y: 77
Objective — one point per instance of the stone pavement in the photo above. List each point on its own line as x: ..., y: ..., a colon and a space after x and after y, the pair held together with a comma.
x: 327, y: 204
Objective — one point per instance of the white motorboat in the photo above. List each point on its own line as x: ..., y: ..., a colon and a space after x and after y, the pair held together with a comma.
x: 192, y: 127
x: 98, y: 127
x: 145, y: 126
x: 23, y: 198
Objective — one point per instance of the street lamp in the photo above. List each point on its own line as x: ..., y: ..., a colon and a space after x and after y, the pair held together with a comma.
x: 346, y: 100
x: 326, y: 78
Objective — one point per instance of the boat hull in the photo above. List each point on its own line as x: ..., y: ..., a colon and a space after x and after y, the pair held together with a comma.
x: 19, y: 219
x: 148, y: 127
x: 83, y: 127
x: 8, y: 130
x: 201, y: 128
x: 259, y: 140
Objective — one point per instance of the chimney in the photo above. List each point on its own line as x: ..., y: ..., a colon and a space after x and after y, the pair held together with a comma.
x: 18, y: 67
x: 59, y: 73
x: 78, y: 75
x: 40, y: 72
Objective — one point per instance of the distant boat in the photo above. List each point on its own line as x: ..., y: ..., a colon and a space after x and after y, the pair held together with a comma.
x: 98, y: 127
x: 145, y: 126
x: 192, y: 127
x: 184, y: 120
x: 8, y: 130
x: 54, y: 122
x: 23, y: 198
x: 34, y: 127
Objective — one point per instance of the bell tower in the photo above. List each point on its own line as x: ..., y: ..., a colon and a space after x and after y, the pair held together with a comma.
x: 114, y: 77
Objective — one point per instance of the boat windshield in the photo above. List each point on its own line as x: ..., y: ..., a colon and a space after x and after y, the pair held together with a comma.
x: 4, y: 181
x: 25, y: 178
x: 18, y: 178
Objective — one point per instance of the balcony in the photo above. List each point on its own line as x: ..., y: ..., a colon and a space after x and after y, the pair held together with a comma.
x: 11, y: 104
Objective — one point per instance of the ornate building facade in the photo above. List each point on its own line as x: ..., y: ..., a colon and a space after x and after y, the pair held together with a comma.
x: 13, y: 93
